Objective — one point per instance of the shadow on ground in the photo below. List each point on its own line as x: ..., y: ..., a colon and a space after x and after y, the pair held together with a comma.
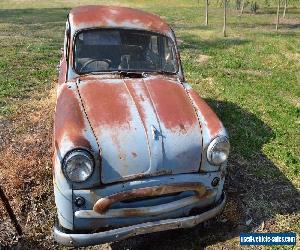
x: 269, y: 26
x: 193, y: 42
x: 273, y: 11
x: 257, y: 190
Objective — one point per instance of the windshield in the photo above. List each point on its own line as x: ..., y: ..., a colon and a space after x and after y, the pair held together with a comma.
x: 104, y: 50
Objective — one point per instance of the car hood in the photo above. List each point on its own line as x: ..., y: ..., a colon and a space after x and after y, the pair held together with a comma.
x: 144, y: 126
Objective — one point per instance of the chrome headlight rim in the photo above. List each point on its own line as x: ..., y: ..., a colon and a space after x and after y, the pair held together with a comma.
x: 78, y: 151
x: 211, y: 147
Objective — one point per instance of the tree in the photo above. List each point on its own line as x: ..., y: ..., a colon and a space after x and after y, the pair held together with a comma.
x: 285, y: 7
x: 277, y: 19
x: 206, y: 12
x: 242, y: 7
x: 225, y: 18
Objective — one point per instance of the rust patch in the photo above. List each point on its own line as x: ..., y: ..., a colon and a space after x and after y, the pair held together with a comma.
x: 223, y: 173
x: 182, y: 128
x: 112, y: 16
x: 133, y: 212
x: 172, y: 104
x: 136, y: 212
x: 105, y: 103
x: 212, y: 121
x: 69, y: 119
x: 103, y: 204
x: 145, y: 175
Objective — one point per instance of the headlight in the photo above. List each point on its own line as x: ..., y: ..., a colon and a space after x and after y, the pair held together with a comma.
x: 218, y: 151
x: 78, y: 165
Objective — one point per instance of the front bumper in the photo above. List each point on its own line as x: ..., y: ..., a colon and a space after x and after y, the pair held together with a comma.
x: 78, y: 240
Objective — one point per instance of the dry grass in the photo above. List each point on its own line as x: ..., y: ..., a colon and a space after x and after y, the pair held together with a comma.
x: 25, y: 160
x: 203, y: 59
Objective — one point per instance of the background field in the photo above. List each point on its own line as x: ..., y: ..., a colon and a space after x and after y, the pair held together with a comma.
x: 251, y: 79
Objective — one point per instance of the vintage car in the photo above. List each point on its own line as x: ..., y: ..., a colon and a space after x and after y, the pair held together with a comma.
x: 136, y: 149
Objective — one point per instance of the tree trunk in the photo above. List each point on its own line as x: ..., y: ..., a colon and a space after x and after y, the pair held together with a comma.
x: 206, y: 12
x: 285, y: 7
x: 277, y: 20
x: 242, y: 7
x: 225, y: 18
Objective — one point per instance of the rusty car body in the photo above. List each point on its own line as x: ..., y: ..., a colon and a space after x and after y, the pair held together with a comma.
x: 136, y: 149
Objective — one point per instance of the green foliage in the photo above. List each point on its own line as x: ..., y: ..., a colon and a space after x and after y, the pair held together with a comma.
x: 267, y: 3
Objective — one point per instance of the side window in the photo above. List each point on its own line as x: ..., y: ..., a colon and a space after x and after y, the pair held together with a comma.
x: 168, y: 50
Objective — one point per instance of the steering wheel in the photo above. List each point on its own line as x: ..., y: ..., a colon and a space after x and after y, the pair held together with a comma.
x: 95, y: 60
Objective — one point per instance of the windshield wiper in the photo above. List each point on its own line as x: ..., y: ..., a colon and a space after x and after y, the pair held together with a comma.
x: 95, y: 73
x: 131, y: 74
x: 138, y: 74
x: 102, y: 72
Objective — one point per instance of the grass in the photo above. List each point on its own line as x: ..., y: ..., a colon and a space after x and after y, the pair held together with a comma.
x: 251, y: 79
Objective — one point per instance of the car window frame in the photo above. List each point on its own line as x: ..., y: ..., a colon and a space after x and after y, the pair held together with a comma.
x: 178, y: 64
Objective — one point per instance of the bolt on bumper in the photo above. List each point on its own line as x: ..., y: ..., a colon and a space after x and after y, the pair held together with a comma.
x: 80, y: 240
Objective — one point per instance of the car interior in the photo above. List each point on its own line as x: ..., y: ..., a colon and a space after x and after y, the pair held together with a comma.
x: 110, y: 50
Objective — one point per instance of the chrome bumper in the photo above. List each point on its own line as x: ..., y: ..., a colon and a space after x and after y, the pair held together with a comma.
x: 78, y: 240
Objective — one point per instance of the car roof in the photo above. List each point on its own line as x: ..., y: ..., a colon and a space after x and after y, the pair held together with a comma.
x: 100, y: 16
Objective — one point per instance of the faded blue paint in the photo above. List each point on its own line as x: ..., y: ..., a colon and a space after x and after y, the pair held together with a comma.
x: 91, y: 196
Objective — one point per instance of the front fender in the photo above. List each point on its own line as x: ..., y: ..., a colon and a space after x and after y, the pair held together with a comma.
x: 210, y: 124
x: 71, y: 131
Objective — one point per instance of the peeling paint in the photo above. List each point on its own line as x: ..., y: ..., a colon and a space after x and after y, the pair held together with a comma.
x: 208, y: 116
x: 123, y: 114
x: 103, y: 204
x: 113, y: 16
